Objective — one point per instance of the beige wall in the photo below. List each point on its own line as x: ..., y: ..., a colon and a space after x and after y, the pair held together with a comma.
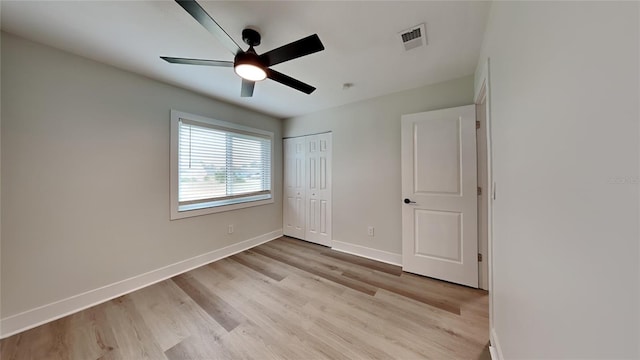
x: 85, y: 186
x: 565, y: 129
x: 366, y: 158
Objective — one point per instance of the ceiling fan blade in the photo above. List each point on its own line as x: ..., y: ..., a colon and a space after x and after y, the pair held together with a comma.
x: 289, y: 81
x: 296, y: 49
x: 185, y: 61
x: 201, y: 16
x: 247, y: 88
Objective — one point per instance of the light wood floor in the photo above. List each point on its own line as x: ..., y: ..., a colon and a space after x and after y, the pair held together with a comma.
x: 287, y: 299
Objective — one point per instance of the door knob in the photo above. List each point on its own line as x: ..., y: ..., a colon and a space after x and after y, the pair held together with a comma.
x: 408, y: 201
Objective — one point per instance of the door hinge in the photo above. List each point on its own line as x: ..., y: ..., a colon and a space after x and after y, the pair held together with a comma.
x: 479, y: 257
x: 477, y: 124
x: 479, y: 191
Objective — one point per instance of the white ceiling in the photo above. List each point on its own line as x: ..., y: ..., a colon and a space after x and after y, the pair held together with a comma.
x: 360, y: 38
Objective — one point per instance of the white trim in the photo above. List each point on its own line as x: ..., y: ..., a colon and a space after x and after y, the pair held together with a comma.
x: 493, y: 353
x: 495, y: 349
x: 366, y: 252
x: 482, y: 86
x: 480, y: 80
x: 638, y: 340
x: 483, y: 239
x: 34, y: 317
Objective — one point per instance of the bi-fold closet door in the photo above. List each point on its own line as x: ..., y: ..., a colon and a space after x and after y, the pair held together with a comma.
x: 307, y: 188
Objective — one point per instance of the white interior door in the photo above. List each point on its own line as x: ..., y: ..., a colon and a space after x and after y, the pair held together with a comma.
x: 318, y: 199
x: 294, y: 187
x: 439, y: 214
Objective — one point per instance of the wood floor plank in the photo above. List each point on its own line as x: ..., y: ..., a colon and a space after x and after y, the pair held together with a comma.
x: 376, y: 315
x: 10, y: 347
x: 275, y: 311
x: 441, y: 287
x: 49, y: 341
x: 428, y: 316
x: 436, y: 293
x: 426, y: 287
x: 267, y: 288
x: 252, y: 262
x: 311, y: 285
x: 304, y: 280
x: 272, y: 294
x: 354, y: 311
x: 308, y: 256
x: 195, y: 348
x: 347, y: 258
x: 252, y: 342
x: 375, y: 280
x: 278, y: 320
x: 355, y: 285
x: 204, y: 335
x: 218, y: 309
x: 131, y: 333
x: 89, y: 332
x: 371, y: 264
x: 285, y: 299
x: 288, y: 327
x: 162, y: 308
x: 408, y: 345
x: 393, y: 287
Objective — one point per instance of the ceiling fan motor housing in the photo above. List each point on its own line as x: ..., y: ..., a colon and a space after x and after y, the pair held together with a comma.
x: 251, y: 37
x: 248, y: 57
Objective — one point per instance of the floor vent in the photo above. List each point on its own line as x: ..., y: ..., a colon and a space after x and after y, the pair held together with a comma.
x: 414, y: 37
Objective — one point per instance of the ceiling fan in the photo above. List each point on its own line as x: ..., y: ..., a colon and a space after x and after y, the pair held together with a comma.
x: 250, y: 66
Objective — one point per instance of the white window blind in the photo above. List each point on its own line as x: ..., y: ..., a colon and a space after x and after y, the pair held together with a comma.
x: 220, y: 166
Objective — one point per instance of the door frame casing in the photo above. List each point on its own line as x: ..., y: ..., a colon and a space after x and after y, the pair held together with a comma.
x: 482, y: 92
x: 483, y: 181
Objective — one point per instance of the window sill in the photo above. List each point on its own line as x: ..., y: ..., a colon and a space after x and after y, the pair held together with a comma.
x: 212, y: 207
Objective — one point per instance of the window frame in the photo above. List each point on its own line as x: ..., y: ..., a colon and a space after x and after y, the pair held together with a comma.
x: 213, y: 206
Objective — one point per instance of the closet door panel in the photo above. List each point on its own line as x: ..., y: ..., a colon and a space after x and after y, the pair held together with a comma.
x: 294, y: 188
x: 319, y: 190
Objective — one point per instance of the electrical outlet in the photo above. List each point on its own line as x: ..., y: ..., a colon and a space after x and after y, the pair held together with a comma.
x: 230, y: 228
x: 370, y: 231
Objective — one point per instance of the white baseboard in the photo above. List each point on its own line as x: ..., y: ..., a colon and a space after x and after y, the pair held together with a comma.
x: 495, y: 349
x: 34, y: 317
x: 374, y: 254
x: 493, y: 352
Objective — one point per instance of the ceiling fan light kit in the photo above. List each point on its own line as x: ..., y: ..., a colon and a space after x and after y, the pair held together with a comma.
x: 250, y: 66
x: 250, y: 72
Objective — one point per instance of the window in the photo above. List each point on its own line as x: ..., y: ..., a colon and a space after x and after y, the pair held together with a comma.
x: 217, y: 166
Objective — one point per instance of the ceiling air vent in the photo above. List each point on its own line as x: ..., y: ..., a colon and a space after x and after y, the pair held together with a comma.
x: 414, y: 37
